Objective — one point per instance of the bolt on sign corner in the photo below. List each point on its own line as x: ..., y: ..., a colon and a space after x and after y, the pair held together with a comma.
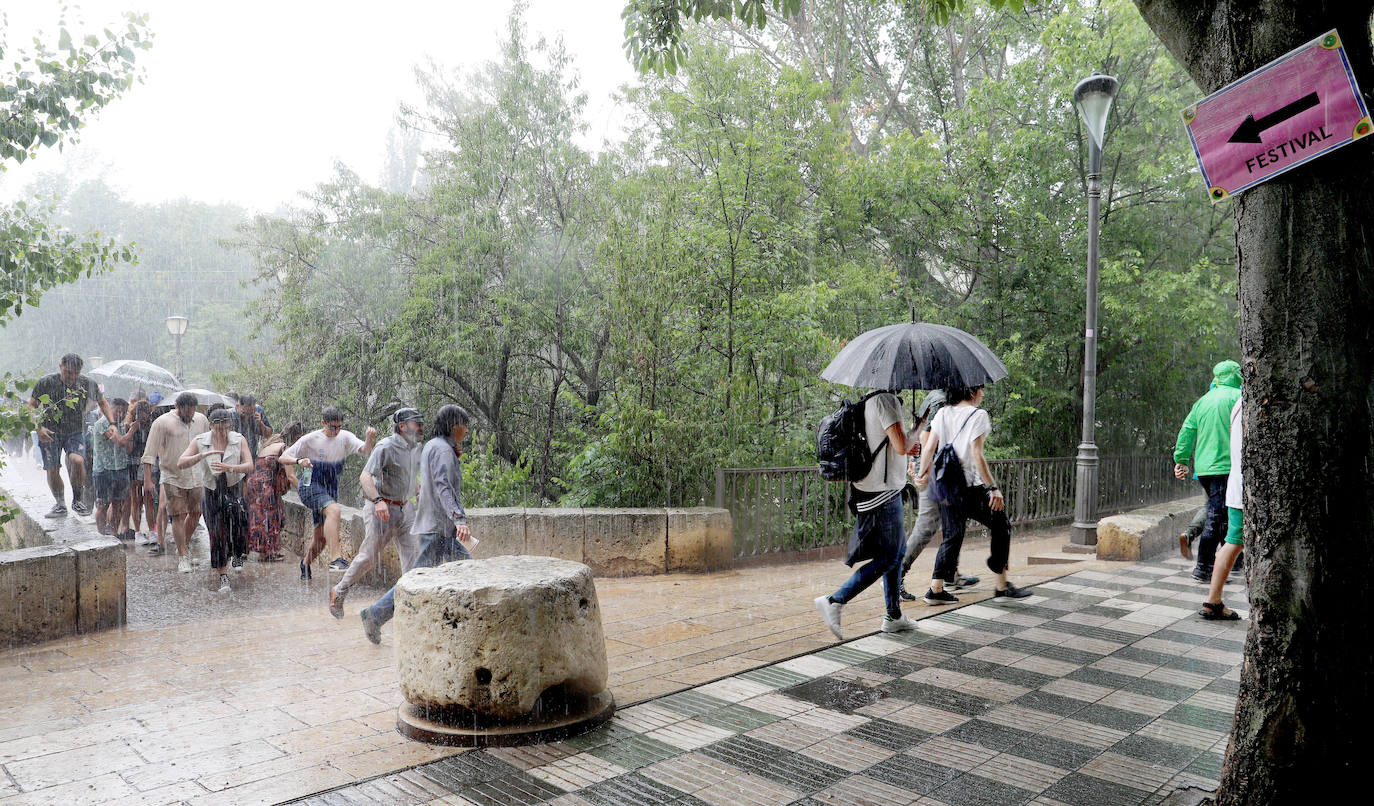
x: 1296, y: 108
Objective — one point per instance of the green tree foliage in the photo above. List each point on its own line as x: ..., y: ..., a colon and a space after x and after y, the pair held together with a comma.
x: 46, y: 95
x: 623, y: 322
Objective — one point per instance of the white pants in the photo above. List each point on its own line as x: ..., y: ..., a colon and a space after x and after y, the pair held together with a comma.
x: 379, y: 534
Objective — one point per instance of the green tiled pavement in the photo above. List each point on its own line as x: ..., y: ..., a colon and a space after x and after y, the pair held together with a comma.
x: 1102, y: 689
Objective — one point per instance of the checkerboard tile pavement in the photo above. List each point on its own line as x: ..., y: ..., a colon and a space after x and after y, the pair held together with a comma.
x: 1101, y: 689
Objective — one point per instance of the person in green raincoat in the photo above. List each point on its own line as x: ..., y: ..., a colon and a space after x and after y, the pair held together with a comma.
x: 1205, y: 440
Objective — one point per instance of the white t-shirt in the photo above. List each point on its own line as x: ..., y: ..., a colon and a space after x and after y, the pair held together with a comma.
x: 962, y: 425
x: 1234, y: 484
x: 889, y: 467
x: 317, y: 446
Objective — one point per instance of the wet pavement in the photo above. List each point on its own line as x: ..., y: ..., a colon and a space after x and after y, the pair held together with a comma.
x: 1102, y: 689
x: 259, y: 696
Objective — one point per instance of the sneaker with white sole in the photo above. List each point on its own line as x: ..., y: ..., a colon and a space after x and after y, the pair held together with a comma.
x: 336, y: 603
x: 830, y: 612
x: 943, y: 597
x: 961, y: 581
x: 59, y: 510
x: 223, y: 583
x: 371, y: 628
x: 900, y: 624
x: 237, y: 564
x: 183, y: 564
x: 1009, y: 593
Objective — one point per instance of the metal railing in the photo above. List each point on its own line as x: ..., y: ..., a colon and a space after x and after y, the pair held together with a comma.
x: 777, y: 509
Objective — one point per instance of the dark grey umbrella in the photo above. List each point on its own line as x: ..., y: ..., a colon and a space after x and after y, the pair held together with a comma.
x: 917, y: 355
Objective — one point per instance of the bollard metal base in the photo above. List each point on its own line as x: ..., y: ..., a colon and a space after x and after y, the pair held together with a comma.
x: 451, y: 729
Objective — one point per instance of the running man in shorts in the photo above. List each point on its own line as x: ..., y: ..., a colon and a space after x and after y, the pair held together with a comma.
x: 323, y: 451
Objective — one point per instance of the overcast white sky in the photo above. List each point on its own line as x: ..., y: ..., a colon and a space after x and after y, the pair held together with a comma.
x: 253, y: 101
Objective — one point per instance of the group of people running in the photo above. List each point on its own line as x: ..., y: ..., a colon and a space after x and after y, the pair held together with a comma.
x: 230, y: 467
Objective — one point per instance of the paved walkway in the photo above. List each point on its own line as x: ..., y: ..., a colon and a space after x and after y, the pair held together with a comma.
x: 260, y: 697
x: 1103, y: 689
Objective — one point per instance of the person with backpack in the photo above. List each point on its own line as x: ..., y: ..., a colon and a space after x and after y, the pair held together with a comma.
x: 961, y: 482
x: 927, y: 511
x: 865, y: 444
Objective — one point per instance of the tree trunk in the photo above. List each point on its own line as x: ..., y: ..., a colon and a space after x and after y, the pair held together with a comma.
x: 1307, y: 341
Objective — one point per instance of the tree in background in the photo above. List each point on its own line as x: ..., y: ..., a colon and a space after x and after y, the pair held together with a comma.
x: 1304, y: 262
x: 46, y: 95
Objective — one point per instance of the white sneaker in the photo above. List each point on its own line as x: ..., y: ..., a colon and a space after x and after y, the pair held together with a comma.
x: 830, y: 611
x: 223, y: 583
x: 183, y: 564
x: 902, y: 624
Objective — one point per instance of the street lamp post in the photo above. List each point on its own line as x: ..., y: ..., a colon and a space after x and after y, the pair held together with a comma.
x: 1093, y: 99
x: 176, y: 325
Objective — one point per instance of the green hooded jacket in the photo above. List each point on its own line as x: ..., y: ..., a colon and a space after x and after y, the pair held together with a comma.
x: 1206, y: 434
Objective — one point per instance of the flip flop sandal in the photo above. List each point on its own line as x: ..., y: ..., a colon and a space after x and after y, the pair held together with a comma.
x: 1217, y: 612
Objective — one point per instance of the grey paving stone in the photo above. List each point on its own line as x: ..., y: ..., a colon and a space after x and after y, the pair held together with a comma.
x: 916, y: 775
x: 891, y: 735
x: 1084, y: 790
x: 1050, y: 703
x: 1197, y: 666
x: 1067, y: 653
x: 1059, y: 753
x: 694, y: 703
x: 465, y: 769
x: 635, y: 790
x: 988, y: 734
x: 1156, y: 751
x: 636, y: 751
x: 973, y: 790
x: 964, y: 665
x: 737, y: 718
x: 838, y: 695
x: 895, y: 667
x: 1113, y: 717
x: 1138, y: 655
x: 1200, y: 717
x: 512, y: 790
x: 793, y: 770
x: 1024, y: 678
x: 945, y: 699
x: 1135, y: 685
x: 1220, y: 686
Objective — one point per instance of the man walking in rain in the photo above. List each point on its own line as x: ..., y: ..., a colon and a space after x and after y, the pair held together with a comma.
x: 61, y: 400
x: 1205, y: 438
x: 876, y: 500
x: 181, y: 486
x: 440, y: 521
x: 388, y: 483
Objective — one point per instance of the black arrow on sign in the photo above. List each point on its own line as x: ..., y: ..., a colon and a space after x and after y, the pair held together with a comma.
x: 1249, y: 131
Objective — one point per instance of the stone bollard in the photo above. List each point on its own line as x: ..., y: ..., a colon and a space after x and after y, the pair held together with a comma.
x: 507, y: 650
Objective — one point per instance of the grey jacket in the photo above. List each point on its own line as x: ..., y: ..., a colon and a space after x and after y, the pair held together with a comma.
x: 441, y: 482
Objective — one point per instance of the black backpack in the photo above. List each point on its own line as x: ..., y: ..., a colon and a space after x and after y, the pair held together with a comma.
x: 841, y: 444
x: 947, y: 482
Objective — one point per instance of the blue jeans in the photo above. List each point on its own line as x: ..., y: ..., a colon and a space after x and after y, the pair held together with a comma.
x: 880, y: 528
x: 1217, y: 523
x: 434, y: 550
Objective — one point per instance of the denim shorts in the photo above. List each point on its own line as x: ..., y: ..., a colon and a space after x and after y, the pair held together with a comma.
x: 111, y: 485
x: 73, y: 443
x: 316, y: 497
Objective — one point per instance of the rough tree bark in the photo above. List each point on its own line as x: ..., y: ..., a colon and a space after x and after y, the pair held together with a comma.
x: 1303, y: 247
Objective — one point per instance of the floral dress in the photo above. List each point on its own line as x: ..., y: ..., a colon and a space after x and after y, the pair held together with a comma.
x: 264, y: 488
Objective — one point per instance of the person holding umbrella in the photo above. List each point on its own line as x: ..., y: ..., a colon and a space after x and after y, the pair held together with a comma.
x: 876, y: 500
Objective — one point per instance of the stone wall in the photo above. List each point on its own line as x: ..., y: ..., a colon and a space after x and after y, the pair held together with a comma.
x: 613, y: 542
x: 21, y: 531
x: 1145, y: 533
x: 55, y: 591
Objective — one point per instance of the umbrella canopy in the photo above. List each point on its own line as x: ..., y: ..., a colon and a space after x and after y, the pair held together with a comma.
x: 918, y: 355
x: 124, y: 377
x: 204, y: 397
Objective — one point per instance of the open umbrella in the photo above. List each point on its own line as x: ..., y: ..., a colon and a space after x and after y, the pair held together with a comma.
x: 204, y: 397
x: 124, y: 377
x: 916, y: 355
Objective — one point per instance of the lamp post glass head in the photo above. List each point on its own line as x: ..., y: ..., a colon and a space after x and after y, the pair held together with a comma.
x: 1093, y: 98
x: 176, y: 325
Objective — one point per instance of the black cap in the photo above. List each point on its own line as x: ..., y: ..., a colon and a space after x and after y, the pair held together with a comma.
x: 407, y: 416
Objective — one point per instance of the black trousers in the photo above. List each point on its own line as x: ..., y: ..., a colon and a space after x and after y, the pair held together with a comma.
x: 974, y: 504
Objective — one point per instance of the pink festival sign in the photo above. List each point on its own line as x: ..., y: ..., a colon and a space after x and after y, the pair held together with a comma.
x: 1294, y: 109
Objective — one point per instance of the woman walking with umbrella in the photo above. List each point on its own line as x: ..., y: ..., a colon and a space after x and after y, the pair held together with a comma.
x: 918, y: 355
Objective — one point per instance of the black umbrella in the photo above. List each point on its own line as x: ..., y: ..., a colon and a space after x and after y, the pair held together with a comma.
x: 917, y: 355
